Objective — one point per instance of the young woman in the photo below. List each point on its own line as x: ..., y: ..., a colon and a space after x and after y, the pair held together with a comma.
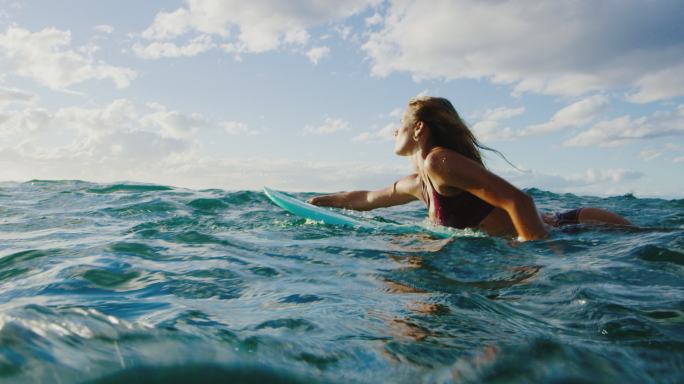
x: 453, y: 182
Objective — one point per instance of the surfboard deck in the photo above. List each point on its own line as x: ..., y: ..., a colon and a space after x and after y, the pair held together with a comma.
x: 330, y: 217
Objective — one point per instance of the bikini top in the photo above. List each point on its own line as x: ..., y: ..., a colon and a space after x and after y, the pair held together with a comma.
x: 461, y: 211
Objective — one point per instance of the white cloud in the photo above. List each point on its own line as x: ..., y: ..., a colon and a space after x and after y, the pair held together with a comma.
x: 396, y: 113
x: 22, y: 122
x: 158, y: 50
x: 91, y: 124
x: 317, y: 53
x: 46, y: 57
x: 13, y: 95
x: 89, y: 143
x: 422, y: 93
x: 237, y: 128
x: 125, y: 141
x: 558, y: 47
x: 385, y: 133
x: 175, y: 124
x: 624, y: 129
x: 374, y: 20
x: 491, y: 130
x: 503, y: 113
x: 592, y: 176
x: 344, y: 32
x: 255, y: 26
x: 104, y: 28
x: 488, y: 128
x: 330, y: 125
x: 664, y: 84
x: 6, y: 7
x: 117, y: 141
x: 194, y: 170
x: 679, y: 159
x: 150, y: 143
x: 171, y: 24
x: 599, y: 182
x: 574, y: 115
x: 650, y: 154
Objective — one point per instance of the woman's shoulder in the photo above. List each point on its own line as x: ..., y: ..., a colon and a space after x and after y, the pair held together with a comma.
x: 441, y: 159
x: 448, y: 168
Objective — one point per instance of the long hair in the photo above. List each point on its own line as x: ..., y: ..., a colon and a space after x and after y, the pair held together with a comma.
x: 447, y: 128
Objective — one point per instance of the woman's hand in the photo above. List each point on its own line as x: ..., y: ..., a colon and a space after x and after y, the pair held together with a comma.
x: 323, y: 200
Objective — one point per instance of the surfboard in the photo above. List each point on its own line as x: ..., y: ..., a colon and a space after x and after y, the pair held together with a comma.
x: 330, y: 217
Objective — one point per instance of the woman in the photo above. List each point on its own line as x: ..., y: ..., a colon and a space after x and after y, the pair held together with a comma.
x: 453, y: 182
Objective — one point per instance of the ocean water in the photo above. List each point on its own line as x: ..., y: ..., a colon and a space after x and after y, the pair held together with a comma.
x: 124, y: 283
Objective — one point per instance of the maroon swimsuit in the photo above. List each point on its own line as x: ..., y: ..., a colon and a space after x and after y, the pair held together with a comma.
x: 464, y: 210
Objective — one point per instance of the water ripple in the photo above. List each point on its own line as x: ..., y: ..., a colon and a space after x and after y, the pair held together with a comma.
x: 121, y: 282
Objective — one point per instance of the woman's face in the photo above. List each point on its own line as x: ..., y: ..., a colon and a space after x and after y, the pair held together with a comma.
x: 403, y: 136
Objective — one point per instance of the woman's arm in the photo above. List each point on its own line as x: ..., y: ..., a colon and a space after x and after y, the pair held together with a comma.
x: 450, y: 169
x: 401, y: 192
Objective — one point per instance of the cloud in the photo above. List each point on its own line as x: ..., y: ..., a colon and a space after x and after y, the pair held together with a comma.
x: 330, y: 125
x: 255, y: 26
x: 593, y: 176
x: 195, y: 170
x: 503, y: 113
x: 317, y: 53
x: 396, y: 113
x: 649, y: 154
x: 488, y: 128
x: 175, y: 124
x: 679, y: 159
x: 46, y: 57
x: 624, y: 129
x: 558, y: 48
x: 90, y: 143
x: 374, y: 20
x: 663, y: 84
x: 574, y: 115
x: 237, y: 128
x: 343, y: 31
x: 158, y: 50
x: 599, y: 182
x: 123, y: 140
x: 385, y: 133
x: 104, y: 28
x: 13, y: 95
x: 22, y: 122
x: 119, y: 119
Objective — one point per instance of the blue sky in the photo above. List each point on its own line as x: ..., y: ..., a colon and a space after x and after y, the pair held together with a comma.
x: 585, y: 97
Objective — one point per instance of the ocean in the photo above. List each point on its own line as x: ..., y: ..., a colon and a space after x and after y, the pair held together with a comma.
x: 126, y: 283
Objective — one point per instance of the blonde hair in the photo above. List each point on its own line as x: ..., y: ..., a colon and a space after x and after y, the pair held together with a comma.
x: 447, y: 129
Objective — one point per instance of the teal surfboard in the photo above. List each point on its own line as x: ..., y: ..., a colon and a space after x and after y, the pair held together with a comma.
x: 328, y: 216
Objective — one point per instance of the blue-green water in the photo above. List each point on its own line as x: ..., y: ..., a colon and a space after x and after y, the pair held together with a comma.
x: 118, y: 283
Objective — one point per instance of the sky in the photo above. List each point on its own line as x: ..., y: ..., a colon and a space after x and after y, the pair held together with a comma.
x: 584, y: 97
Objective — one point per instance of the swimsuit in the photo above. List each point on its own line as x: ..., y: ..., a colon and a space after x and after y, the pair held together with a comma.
x: 464, y: 210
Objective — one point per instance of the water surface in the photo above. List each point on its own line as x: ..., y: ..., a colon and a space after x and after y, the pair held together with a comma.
x: 123, y: 283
